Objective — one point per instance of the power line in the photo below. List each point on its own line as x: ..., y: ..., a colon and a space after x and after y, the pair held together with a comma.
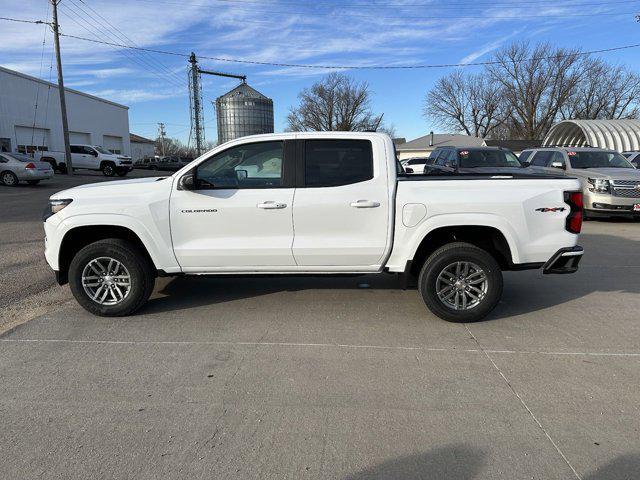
x: 20, y: 20
x: 351, y: 67
x: 252, y: 8
x: 101, y: 37
x: 400, y: 6
x: 128, y: 40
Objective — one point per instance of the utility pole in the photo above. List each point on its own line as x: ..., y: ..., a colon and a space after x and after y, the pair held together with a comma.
x: 63, y: 102
x: 196, y: 104
x: 161, y: 134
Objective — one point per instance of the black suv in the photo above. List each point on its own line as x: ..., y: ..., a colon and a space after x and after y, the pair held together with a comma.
x: 460, y: 160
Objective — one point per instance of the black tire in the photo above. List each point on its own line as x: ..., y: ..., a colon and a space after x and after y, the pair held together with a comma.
x: 108, y: 169
x: 9, y: 179
x: 122, y: 173
x: 33, y: 182
x: 62, y: 168
x: 141, y: 271
x: 51, y: 162
x: 446, y: 256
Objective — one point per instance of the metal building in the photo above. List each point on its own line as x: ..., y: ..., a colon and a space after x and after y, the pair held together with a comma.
x: 621, y: 135
x: 243, y: 111
x: 27, y: 128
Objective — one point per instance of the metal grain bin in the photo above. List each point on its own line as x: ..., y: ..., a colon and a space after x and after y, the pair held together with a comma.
x: 243, y: 111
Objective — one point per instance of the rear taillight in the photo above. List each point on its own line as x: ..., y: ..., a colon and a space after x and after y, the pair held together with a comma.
x: 30, y: 166
x: 574, y: 220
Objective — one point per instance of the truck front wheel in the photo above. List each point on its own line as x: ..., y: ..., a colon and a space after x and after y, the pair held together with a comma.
x: 460, y: 282
x: 111, y: 278
x: 108, y: 169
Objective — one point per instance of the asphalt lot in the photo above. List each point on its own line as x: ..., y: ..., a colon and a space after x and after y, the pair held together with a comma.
x: 319, y: 378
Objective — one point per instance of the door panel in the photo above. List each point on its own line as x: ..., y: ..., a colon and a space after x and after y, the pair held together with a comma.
x: 240, y: 214
x: 231, y: 228
x: 341, y: 225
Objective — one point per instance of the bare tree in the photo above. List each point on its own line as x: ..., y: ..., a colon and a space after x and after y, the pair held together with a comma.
x: 337, y: 102
x: 467, y: 103
x: 536, y: 83
x: 603, y: 91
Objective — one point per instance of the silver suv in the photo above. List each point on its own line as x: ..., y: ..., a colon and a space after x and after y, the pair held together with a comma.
x: 611, y: 185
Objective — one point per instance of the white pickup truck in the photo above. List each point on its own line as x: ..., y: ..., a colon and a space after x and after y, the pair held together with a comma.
x: 312, y: 203
x: 89, y: 157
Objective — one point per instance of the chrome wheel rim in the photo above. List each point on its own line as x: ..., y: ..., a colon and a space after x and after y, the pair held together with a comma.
x: 462, y: 285
x: 8, y: 179
x: 106, y: 281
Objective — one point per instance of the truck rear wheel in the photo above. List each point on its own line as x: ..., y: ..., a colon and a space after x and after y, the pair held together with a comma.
x: 460, y: 282
x: 111, y: 278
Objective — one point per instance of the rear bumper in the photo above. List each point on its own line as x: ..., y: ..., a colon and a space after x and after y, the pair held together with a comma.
x: 36, y: 175
x: 565, y: 260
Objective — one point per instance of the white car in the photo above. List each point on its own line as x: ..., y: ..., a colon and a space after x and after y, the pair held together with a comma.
x: 328, y: 203
x: 414, y: 165
x: 89, y: 157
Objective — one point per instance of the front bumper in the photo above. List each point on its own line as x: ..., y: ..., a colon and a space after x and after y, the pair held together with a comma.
x: 564, y: 261
x: 607, y: 204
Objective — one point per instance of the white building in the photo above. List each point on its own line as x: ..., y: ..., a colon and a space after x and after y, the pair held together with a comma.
x: 23, y: 127
x: 141, y: 147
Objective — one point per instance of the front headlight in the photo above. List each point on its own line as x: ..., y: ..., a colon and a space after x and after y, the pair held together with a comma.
x: 54, y: 206
x: 599, y: 185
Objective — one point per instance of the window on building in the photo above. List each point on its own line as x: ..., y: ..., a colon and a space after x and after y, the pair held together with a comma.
x: 32, y: 148
x: 331, y: 163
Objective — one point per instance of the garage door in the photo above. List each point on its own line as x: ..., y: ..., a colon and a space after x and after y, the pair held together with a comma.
x: 112, y: 143
x: 79, y: 138
x: 29, y: 139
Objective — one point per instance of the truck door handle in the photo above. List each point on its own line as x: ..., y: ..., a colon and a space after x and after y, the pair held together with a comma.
x: 365, y: 204
x: 271, y: 205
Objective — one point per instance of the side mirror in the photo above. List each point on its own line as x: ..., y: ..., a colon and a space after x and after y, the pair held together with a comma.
x: 241, y: 175
x: 187, y: 182
x: 526, y: 164
x: 408, y: 170
x: 559, y: 165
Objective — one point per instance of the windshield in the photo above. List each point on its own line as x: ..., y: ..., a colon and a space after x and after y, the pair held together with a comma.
x: 102, y: 150
x: 20, y: 157
x: 488, y: 158
x: 598, y: 160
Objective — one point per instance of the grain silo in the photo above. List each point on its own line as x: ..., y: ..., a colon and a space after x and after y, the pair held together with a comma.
x: 243, y: 111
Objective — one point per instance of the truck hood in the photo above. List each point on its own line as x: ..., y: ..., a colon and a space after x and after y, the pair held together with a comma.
x: 608, y: 173
x: 104, y: 187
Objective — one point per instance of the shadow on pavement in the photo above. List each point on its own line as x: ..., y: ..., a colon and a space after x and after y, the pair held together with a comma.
x: 624, y: 467
x: 453, y: 462
x: 524, y: 292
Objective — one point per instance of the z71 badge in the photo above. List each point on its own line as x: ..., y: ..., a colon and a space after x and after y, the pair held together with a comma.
x: 550, y: 209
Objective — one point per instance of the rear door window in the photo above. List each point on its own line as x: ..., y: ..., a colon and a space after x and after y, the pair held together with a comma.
x: 541, y: 158
x: 331, y: 163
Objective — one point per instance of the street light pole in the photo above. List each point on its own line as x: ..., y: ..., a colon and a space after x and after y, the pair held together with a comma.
x: 63, y: 102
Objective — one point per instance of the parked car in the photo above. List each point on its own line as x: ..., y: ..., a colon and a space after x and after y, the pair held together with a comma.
x: 611, y: 185
x: 171, y: 163
x: 312, y: 203
x: 414, y: 165
x: 16, y: 167
x: 633, y: 157
x: 476, y: 160
x: 144, y: 163
x: 89, y: 157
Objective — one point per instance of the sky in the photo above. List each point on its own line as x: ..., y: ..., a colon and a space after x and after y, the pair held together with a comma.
x: 322, y: 32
